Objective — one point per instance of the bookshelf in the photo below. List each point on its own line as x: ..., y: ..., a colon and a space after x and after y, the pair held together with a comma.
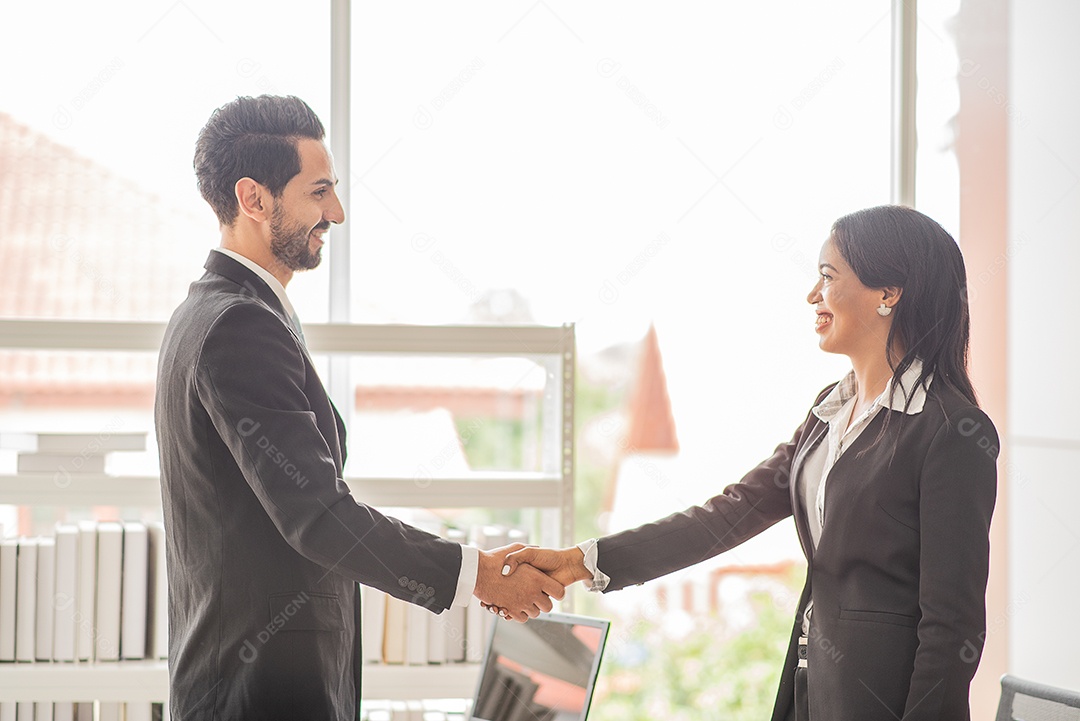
x: 148, y: 681
x: 549, y: 491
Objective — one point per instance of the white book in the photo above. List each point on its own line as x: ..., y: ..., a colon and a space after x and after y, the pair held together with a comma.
x: 374, y: 623
x: 24, y: 711
x: 63, y: 711
x: 110, y: 559
x: 26, y: 605
x: 9, y: 574
x: 437, y: 637
x: 51, y: 463
x: 43, y: 711
x: 416, y: 635
x: 46, y: 601
x: 110, y: 711
x: 394, y: 633
x: 90, y: 443
x: 84, y: 711
x: 8, y: 711
x: 133, y: 602
x: 138, y: 711
x: 157, y: 623
x: 478, y: 623
x: 86, y: 592
x: 453, y: 618
x: 66, y: 589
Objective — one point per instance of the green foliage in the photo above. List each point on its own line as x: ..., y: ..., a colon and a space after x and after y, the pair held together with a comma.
x: 715, y: 672
x: 591, y: 479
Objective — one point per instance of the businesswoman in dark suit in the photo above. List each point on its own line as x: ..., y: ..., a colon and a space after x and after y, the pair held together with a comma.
x: 891, y: 480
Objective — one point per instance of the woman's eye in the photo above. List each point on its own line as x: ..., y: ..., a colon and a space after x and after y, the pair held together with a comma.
x: 826, y: 276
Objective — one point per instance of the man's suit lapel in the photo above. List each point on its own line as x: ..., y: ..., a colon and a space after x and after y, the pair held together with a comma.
x: 801, y: 522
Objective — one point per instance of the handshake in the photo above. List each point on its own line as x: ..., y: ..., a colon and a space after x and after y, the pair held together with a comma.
x: 518, y: 582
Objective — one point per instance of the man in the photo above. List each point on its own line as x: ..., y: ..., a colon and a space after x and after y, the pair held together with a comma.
x: 265, y: 543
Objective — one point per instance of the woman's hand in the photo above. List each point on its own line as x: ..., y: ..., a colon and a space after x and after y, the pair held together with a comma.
x: 565, y: 566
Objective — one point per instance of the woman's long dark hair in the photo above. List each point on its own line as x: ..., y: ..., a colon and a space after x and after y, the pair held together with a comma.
x: 891, y: 245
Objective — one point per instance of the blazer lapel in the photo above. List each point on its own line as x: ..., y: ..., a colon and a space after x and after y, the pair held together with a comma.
x: 801, y: 524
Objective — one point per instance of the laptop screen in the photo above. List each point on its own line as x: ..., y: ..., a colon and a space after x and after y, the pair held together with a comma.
x: 541, y: 670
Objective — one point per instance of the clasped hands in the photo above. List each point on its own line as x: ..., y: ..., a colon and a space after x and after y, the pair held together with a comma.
x: 519, y: 582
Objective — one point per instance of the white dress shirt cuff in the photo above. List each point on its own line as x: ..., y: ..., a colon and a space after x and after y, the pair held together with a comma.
x: 599, y: 580
x: 466, y: 582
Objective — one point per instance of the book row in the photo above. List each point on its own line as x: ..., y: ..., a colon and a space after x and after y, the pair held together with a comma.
x: 397, y: 632
x: 59, y: 711
x: 95, y: 591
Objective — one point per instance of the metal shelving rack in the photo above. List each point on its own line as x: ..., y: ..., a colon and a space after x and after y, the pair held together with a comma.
x: 551, y: 490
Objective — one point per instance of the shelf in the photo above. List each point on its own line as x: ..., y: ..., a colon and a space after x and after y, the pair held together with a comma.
x: 134, y: 681
x: 517, y: 491
x: 523, y: 490
x: 402, y: 683
x: 81, y: 490
x: 47, y: 334
x: 551, y: 492
x: 148, y: 681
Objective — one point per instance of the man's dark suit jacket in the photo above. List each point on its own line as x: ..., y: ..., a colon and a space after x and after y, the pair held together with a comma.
x: 265, y: 543
x: 899, y: 575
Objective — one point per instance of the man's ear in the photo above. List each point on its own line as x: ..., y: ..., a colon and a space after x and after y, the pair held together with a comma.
x: 253, y: 199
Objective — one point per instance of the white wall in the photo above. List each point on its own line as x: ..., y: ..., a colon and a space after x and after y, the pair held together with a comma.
x: 1044, y: 342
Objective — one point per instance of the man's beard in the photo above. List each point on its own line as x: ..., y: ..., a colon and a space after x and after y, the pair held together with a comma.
x: 292, y: 245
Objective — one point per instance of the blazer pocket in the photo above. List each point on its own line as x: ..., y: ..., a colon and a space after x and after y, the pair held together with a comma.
x: 893, y: 619
x: 306, y: 611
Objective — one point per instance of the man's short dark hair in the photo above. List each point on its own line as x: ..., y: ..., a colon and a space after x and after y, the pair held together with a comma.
x: 251, y: 138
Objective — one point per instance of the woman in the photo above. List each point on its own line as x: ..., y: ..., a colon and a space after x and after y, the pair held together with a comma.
x: 891, y: 479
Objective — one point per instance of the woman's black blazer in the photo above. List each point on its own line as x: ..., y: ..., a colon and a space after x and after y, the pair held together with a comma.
x: 899, y: 575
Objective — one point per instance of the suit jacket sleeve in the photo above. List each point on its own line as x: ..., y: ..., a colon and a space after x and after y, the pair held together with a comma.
x: 957, y: 490
x: 743, y: 510
x: 254, y: 382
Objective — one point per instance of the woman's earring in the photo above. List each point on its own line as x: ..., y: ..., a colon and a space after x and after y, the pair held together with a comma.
x: 883, y: 310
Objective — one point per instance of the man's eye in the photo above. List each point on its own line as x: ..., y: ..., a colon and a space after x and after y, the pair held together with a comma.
x: 321, y: 192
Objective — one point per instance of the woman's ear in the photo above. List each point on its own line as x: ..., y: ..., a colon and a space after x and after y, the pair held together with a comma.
x: 891, y: 296
x: 251, y: 197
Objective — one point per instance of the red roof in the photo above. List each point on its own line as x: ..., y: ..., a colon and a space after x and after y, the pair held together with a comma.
x: 652, y: 425
x: 79, y: 241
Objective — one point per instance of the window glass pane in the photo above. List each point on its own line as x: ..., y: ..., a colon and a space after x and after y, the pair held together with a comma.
x: 100, y: 216
x: 428, y: 417
x: 614, y: 166
x: 937, y: 172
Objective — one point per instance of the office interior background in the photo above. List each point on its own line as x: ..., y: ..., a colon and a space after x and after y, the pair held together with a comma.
x: 660, y: 176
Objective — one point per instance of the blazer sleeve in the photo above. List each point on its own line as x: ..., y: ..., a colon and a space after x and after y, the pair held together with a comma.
x: 251, y: 380
x: 743, y: 510
x: 957, y: 491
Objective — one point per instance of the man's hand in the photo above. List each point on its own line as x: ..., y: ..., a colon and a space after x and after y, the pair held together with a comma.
x: 525, y: 596
x: 564, y: 566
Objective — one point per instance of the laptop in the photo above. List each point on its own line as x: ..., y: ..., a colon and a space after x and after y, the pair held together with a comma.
x: 541, y: 670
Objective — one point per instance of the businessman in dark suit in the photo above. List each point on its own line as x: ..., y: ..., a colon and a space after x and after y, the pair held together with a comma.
x: 265, y: 544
